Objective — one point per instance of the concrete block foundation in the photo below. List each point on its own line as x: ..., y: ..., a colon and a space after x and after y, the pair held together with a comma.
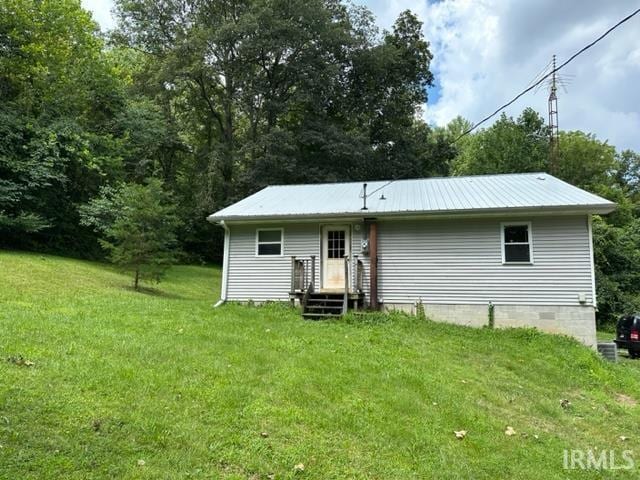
x: 576, y: 321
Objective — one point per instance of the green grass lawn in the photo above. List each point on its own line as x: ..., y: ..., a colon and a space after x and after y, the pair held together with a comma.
x: 160, y: 385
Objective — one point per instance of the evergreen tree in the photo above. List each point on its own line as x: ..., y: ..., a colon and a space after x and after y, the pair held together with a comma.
x: 138, y: 223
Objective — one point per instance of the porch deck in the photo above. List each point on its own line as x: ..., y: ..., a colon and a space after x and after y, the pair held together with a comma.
x: 323, y: 303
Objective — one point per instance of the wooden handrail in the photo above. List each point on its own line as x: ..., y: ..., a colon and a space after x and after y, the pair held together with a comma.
x: 303, y: 273
x: 293, y: 274
x: 345, y: 300
x: 305, y: 297
x: 313, y: 272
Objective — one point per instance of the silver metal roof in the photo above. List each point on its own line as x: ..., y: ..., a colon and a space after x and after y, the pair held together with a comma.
x: 447, y: 195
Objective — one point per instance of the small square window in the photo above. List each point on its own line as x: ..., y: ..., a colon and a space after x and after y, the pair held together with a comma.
x: 269, y: 242
x: 516, y: 246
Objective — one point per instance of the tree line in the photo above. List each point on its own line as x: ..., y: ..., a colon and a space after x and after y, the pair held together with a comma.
x: 189, y: 105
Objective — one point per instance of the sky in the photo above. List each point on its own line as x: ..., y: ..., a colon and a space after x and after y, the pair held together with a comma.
x: 487, y: 51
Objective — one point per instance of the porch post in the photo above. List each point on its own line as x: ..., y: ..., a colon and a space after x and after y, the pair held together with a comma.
x: 373, y: 267
x: 354, y: 273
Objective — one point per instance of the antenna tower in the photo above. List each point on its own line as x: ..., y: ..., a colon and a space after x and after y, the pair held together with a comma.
x: 553, y: 120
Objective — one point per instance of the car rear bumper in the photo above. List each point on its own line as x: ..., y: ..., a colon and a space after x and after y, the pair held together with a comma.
x: 635, y: 346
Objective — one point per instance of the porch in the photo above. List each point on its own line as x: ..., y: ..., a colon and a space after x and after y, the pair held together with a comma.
x: 319, y: 302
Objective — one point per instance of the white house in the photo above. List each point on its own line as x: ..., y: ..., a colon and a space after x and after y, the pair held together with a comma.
x: 519, y: 242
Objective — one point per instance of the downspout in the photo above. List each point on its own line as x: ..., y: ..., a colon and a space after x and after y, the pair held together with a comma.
x: 225, y: 265
x: 593, y: 267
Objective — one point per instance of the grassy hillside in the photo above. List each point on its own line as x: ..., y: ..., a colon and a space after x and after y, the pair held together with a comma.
x: 161, y: 385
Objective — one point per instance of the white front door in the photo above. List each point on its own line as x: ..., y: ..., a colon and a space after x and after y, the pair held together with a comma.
x: 336, y: 243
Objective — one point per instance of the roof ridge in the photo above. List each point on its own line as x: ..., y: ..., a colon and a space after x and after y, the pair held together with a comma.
x: 450, y: 177
x: 472, y: 193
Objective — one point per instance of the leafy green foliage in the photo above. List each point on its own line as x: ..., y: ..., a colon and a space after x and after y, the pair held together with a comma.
x: 58, y: 97
x: 585, y: 161
x: 617, y: 256
x: 216, y: 99
x: 627, y: 173
x: 508, y: 146
x: 28, y: 167
x: 139, y: 224
x: 271, y: 92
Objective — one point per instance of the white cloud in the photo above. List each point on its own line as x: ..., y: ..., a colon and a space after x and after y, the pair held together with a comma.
x: 486, y: 51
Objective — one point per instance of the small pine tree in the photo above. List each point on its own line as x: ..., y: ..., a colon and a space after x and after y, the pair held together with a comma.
x: 139, y: 224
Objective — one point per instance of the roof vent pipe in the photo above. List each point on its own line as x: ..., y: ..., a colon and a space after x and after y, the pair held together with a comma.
x: 364, y: 197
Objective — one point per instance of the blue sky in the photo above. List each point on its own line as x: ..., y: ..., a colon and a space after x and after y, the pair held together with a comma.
x: 486, y: 51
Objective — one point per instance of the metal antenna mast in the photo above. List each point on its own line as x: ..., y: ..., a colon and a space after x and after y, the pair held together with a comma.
x: 553, y: 120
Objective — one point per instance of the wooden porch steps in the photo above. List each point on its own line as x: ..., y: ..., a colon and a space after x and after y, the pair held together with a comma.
x: 323, y: 305
x: 318, y: 316
x: 328, y: 304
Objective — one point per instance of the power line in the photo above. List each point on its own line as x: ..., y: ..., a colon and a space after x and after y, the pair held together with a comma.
x: 528, y: 89
x: 389, y: 182
x: 540, y: 73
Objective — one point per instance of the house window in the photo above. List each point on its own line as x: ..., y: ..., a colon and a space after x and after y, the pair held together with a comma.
x: 269, y: 242
x: 516, y: 243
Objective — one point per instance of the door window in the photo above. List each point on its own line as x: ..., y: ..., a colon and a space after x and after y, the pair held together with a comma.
x: 335, y: 243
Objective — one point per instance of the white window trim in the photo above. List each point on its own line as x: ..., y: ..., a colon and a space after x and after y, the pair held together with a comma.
x: 281, y: 242
x: 503, y: 225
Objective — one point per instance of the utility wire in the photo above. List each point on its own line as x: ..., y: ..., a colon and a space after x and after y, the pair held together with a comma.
x: 540, y: 73
x: 528, y: 89
x: 380, y: 188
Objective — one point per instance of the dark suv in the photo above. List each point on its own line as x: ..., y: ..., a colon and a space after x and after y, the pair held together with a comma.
x: 628, y: 334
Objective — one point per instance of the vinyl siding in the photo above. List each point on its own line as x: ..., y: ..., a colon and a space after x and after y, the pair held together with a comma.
x: 260, y: 278
x: 460, y: 262
x: 443, y: 261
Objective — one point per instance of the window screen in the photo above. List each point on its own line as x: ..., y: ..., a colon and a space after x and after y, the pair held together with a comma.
x: 269, y: 242
x: 335, y: 243
x: 517, y: 246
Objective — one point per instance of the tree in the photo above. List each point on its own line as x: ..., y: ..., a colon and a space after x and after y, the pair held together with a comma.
x: 58, y: 98
x: 627, y: 173
x: 138, y: 223
x: 271, y: 91
x: 507, y: 146
x: 617, y: 255
x: 388, y: 86
x: 585, y: 161
x: 274, y: 91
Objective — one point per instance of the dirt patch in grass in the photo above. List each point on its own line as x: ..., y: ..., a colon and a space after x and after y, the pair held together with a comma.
x: 626, y: 400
